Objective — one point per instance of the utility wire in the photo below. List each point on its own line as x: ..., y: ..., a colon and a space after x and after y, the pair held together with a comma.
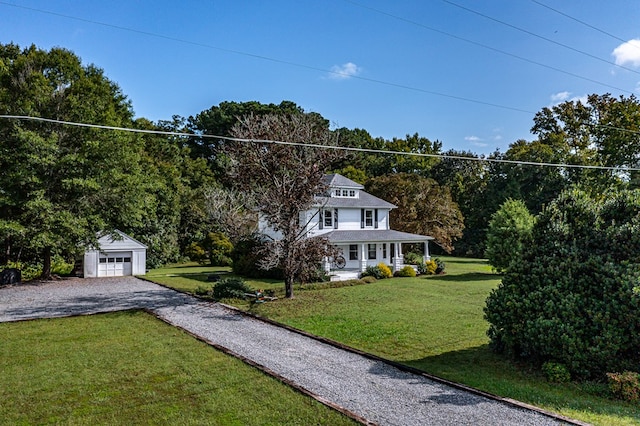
x: 279, y: 61
x: 582, y: 52
x: 586, y: 24
x: 484, y: 46
x: 319, y: 146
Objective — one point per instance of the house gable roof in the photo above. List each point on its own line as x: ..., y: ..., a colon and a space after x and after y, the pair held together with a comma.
x: 126, y: 242
x: 364, y: 199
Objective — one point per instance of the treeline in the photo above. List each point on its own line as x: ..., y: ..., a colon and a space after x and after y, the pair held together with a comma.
x: 62, y: 185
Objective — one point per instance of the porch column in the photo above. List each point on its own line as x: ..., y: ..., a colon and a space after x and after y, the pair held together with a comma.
x: 363, y: 257
x: 326, y: 264
x: 426, y: 251
x: 397, y: 257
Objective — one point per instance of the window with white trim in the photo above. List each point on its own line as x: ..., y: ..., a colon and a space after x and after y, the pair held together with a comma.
x: 353, y: 252
x: 368, y: 218
x: 372, y: 251
x: 328, y: 218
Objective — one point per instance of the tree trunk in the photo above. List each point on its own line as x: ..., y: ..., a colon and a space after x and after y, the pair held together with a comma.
x: 288, y: 286
x: 46, y: 264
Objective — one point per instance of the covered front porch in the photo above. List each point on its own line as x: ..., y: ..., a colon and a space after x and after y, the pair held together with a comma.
x: 361, y: 249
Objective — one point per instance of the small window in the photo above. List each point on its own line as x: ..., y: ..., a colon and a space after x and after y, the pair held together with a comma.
x: 352, y: 193
x: 127, y: 260
x: 353, y: 252
x: 345, y: 193
x: 118, y: 260
x: 372, y: 251
x: 384, y: 250
x: 338, y: 192
x: 328, y: 218
x: 103, y: 260
x: 368, y: 218
x: 112, y: 260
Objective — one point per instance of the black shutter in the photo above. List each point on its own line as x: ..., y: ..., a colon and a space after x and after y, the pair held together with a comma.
x: 321, y: 222
x: 375, y: 224
x: 335, y: 218
x: 361, y: 218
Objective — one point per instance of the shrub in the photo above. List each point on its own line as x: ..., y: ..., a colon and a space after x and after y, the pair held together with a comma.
x: 372, y: 271
x: 556, y: 372
x: 509, y: 231
x: 569, y: 298
x: 245, y: 259
x: 440, y: 266
x: 625, y: 386
x: 406, y: 271
x: 431, y: 267
x: 412, y: 258
x: 385, y: 270
x: 196, y: 253
x: 369, y: 279
x: 219, y: 248
x: 230, y: 288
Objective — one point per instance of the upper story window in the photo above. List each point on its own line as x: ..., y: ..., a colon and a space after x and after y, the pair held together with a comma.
x: 368, y: 218
x: 328, y: 218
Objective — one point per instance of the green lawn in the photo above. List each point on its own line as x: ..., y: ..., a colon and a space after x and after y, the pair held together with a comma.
x: 435, y: 324
x: 130, y: 368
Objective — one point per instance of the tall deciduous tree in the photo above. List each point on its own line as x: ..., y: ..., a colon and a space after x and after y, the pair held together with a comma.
x: 61, y: 185
x: 424, y: 207
x: 601, y: 131
x: 284, y: 181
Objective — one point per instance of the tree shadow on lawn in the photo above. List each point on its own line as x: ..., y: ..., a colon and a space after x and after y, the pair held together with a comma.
x: 467, y: 277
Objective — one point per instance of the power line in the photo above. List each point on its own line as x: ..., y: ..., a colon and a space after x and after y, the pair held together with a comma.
x: 318, y: 146
x: 275, y: 60
x: 484, y: 46
x: 586, y: 24
x: 582, y: 52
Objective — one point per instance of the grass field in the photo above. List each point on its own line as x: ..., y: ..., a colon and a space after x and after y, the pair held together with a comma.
x: 432, y: 323
x: 130, y: 368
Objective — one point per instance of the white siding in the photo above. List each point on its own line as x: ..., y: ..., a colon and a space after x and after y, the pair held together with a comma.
x: 126, y: 247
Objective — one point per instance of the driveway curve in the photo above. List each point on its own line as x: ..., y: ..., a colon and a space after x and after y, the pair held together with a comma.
x: 369, y: 389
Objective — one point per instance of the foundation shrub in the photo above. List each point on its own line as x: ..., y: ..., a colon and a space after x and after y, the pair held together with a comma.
x: 406, y: 271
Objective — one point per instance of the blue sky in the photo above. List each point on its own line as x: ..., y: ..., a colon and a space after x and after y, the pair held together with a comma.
x: 470, y: 80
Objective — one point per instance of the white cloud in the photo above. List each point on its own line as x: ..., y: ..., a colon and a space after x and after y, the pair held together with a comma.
x: 344, y: 71
x: 475, y: 140
x: 560, y: 96
x: 628, y: 53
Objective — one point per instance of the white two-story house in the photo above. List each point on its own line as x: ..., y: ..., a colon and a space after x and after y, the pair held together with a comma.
x: 358, y: 223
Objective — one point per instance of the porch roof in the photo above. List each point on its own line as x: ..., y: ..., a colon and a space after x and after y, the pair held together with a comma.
x: 375, y: 236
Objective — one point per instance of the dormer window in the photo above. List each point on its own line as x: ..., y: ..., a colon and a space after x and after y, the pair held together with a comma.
x: 344, y: 193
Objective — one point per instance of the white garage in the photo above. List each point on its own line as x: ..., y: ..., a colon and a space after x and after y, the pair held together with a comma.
x: 116, y: 257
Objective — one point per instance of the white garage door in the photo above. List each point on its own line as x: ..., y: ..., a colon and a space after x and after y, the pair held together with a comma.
x: 114, y: 264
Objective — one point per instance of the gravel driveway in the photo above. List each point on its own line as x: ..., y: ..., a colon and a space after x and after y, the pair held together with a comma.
x: 371, y: 389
